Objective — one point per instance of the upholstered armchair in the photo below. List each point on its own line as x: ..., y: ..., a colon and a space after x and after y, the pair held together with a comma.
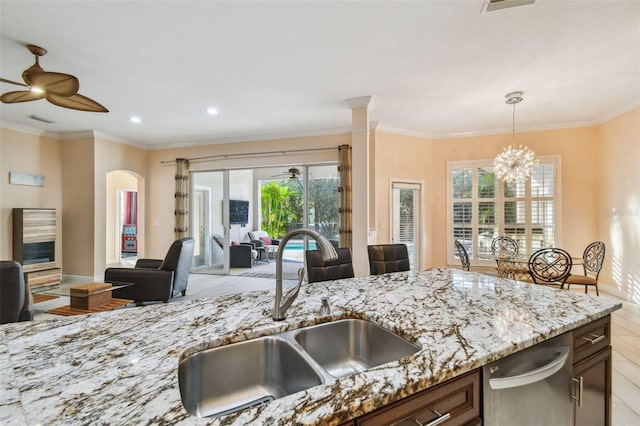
x: 262, y: 239
x: 155, y: 279
x: 16, y: 302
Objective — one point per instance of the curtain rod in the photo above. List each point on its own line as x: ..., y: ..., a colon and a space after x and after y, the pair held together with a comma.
x: 249, y: 154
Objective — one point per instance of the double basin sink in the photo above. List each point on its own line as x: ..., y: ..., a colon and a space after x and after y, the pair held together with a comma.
x: 226, y: 379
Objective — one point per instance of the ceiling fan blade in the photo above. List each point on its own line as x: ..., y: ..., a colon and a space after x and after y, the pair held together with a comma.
x: 20, y: 96
x: 4, y: 80
x: 54, y: 82
x: 77, y: 101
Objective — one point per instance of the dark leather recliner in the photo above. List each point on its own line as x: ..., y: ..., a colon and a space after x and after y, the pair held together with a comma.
x: 154, y: 279
x: 319, y: 270
x: 16, y: 302
x: 385, y: 258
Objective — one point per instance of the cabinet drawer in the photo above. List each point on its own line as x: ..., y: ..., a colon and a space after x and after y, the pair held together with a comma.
x: 458, y: 399
x: 591, y: 338
x: 47, y: 277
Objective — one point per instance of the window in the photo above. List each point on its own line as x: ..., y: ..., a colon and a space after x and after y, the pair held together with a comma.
x: 480, y: 207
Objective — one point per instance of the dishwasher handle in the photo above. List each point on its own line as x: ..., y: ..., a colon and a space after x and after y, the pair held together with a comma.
x: 532, y: 376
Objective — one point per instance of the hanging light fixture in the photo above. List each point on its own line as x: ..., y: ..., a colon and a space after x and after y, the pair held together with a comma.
x: 514, y: 165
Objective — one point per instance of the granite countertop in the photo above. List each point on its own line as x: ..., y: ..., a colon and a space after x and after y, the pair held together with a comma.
x: 121, y: 367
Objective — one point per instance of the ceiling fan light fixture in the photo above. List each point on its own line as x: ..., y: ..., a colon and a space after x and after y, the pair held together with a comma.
x: 57, y: 88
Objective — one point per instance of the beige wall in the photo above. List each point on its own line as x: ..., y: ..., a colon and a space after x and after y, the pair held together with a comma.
x: 75, y: 184
x: 78, y: 207
x: 406, y: 158
x: 416, y: 158
x: 110, y: 156
x: 28, y: 153
x: 617, y: 185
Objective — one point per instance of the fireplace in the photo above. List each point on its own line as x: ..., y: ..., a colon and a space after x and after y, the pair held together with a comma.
x: 38, y: 252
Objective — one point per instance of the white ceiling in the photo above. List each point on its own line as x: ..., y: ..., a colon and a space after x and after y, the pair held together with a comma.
x: 272, y: 68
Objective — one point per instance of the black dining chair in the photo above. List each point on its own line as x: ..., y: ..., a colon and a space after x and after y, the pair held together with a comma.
x: 319, y: 270
x: 592, y: 260
x: 385, y: 258
x: 504, y: 247
x: 462, y: 254
x: 550, y: 266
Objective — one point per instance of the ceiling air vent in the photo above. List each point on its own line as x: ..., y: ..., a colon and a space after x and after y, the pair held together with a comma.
x: 503, y: 4
x: 41, y: 119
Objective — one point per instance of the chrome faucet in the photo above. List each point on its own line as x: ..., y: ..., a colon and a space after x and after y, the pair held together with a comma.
x: 328, y: 253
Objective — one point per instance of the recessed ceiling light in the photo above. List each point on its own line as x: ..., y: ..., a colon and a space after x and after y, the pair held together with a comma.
x: 212, y: 111
x: 135, y: 119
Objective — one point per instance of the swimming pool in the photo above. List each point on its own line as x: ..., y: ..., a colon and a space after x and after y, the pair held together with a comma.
x: 298, y: 245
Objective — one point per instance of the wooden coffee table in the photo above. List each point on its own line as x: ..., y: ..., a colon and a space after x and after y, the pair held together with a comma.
x: 88, y: 298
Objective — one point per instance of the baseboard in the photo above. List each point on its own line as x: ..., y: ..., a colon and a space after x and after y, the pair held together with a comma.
x: 81, y: 278
x: 617, y: 293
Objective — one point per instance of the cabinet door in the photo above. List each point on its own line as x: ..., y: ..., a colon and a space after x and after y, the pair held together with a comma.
x: 455, y: 402
x: 592, y: 390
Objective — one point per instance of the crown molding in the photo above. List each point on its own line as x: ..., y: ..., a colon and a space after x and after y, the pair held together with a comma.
x: 253, y: 138
x: 618, y: 112
x: 30, y: 130
x: 362, y: 101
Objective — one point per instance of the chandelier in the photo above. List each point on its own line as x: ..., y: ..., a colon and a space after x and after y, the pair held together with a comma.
x: 514, y: 165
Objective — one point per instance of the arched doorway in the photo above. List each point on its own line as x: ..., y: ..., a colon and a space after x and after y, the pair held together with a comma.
x: 124, y: 217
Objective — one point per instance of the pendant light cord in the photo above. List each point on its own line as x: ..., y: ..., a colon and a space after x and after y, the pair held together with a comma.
x: 513, y: 128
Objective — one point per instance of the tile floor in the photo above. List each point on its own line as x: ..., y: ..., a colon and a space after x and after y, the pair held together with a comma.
x: 625, y: 333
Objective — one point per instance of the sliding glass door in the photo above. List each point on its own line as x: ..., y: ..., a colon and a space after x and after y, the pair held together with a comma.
x: 209, y: 223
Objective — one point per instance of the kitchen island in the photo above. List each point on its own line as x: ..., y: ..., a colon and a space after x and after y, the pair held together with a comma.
x: 121, y: 367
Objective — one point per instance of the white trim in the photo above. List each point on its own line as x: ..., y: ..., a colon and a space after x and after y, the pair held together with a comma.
x: 605, y: 288
x: 29, y: 130
x: 361, y: 101
x: 418, y: 185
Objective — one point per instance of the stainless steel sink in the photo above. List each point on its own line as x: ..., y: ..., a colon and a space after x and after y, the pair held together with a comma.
x: 351, y: 346
x: 230, y: 378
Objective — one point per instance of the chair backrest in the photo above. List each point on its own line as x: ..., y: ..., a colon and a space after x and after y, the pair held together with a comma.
x: 504, y: 246
x: 550, y: 265
x: 218, y: 239
x: 593, y: 258
x: 385, y: 258
x: 319, y: 270
x: 15, y: 297
x: 256, y: 235
x: 461, y: 252
x: 178, y: 260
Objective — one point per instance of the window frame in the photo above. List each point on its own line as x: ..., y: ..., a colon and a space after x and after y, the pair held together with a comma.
x: 499, y: 199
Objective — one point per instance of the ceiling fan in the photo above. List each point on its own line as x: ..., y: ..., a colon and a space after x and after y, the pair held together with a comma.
x: 58, y: 88
x: 293, y: 174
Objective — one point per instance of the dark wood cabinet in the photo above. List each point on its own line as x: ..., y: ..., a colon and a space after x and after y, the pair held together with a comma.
x: 455, y: 402
x: 592, y: 374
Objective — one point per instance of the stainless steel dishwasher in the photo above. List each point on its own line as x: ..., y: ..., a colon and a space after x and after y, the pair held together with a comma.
x: 530, y: 387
